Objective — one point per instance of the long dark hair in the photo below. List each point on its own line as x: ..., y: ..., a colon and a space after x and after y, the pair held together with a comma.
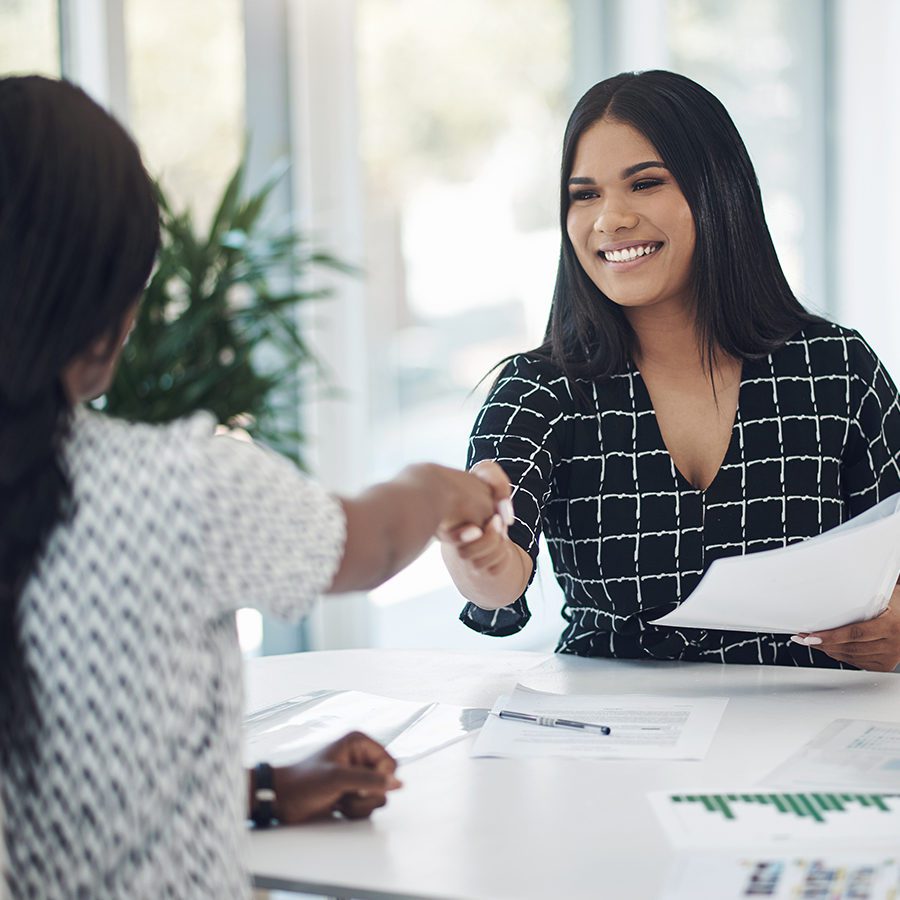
x: 743, y: 304
x: 79, y: 232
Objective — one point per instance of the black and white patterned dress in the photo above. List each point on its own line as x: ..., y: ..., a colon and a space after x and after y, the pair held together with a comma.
x: 131, y: 785
x: 816, y: 440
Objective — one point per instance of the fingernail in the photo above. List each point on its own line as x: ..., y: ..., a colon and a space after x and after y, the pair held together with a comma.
x: 809, y: 641
x: 506, y: 511
x: 394, y: 783
x: 472, y: 533
x: 497, y: 524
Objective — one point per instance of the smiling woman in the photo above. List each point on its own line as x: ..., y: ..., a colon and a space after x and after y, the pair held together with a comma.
x: 683, y: 407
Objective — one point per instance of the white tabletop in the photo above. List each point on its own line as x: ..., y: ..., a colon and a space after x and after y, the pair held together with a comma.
x: 473, y: 829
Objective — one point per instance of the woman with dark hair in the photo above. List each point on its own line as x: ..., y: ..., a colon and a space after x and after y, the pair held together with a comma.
x: 125, y: 550
x: 683, y: 407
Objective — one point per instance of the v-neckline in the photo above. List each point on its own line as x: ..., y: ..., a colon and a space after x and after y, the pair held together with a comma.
x: 679, y: 475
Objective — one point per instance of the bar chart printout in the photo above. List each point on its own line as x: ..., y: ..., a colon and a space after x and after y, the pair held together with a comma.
x: 736, y: 818
x: 839, y: 875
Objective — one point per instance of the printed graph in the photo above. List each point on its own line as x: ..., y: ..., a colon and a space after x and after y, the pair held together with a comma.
x: 815, y: 806
x: 701, y: 819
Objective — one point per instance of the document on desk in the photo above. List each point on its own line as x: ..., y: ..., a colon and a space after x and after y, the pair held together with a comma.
x: 641, y: 726
x: 863, y: 875
x: 847, y: 755
x: 762, y: 818
x: 841, y: 576
x: 288, y: 731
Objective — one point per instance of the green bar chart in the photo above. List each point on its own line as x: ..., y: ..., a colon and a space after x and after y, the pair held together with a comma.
x: 722, y: 818
x: 817, y: 807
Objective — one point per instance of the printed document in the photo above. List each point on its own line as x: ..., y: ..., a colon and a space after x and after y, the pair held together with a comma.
x: 742, y: 819
x: 289, y: 731
x: 860, y: 875
x: 641, y: 726
x: 844, y: 575
x: 849, y: 754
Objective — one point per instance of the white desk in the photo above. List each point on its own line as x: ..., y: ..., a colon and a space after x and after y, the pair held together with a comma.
x: 492, y: 829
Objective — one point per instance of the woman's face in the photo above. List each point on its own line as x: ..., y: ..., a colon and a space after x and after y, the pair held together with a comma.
x: 629, y: 223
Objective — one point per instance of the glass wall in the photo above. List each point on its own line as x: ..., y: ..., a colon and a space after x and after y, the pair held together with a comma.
x: 764, y: 61
x: 186, y: 93
x: 462, y: 109
x: 29, y: 37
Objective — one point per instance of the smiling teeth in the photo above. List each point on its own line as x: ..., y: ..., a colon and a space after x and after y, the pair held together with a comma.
x: 629, y: 253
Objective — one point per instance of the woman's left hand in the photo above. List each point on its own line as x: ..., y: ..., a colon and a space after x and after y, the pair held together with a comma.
x: 872, y: 645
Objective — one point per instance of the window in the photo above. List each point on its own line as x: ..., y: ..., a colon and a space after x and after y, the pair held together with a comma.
x: 29, y: 37
x: 186, y: 84
x: 461, y: 120
x: 763, y: 61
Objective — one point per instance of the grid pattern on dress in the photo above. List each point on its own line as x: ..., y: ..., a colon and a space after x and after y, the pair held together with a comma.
x: 816, y: 440
x: 134, y: 788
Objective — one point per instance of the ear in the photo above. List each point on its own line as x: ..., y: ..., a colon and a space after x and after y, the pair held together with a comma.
x: 91, y: 372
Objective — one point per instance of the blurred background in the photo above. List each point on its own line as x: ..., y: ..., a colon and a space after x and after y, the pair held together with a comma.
x: 423, y: 139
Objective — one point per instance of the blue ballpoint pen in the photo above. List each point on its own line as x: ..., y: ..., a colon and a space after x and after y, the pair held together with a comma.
x: 552, y: 721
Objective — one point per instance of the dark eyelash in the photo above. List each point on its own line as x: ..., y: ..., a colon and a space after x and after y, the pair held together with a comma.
x: 646, y: 183
x: 580, y: 195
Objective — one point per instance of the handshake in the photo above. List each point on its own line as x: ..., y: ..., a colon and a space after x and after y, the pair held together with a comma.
x: 476, y: 535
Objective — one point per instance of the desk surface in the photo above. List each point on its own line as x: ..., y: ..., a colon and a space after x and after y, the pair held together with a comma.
x: 492, y: 829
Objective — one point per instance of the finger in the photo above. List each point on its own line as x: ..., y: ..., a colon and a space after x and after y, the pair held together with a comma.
x: 353, y: 806
x: 358, y: 779
x: 488, y: 546
x: 861, y: 649
x: 873, y: 630
x: 367, y: 752
x: 493, y: 474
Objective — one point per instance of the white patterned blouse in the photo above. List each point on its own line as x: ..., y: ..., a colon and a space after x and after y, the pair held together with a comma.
x: 128, y: 781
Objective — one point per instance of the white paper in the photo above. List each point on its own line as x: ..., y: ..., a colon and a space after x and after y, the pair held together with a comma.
x: 289, y: 731
x: 642, y: 726
x: 762, y: 819
x: 845, y: 575
x: 849, y: 754
x: 863, y: 875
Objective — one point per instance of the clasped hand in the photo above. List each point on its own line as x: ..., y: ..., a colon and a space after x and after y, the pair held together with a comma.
x: 872, y: 645
x: 351, y: 776
x: 483, y: 547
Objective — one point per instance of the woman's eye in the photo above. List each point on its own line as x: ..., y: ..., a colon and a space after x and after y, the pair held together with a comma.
x: 645, y: 183
x: 582, y: 195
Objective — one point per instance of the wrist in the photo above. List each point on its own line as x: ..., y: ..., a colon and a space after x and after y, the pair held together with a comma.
x: 263, y: 796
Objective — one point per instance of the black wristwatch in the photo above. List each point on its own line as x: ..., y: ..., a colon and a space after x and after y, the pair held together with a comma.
x: 262, y: 812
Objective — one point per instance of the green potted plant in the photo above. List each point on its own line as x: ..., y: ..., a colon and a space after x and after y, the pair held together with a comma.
x: 218, y: 326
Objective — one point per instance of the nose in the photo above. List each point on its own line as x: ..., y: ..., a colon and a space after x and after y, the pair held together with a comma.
x: 615, y: 217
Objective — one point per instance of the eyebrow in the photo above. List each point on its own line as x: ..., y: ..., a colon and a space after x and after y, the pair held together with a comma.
x: 626, y: 173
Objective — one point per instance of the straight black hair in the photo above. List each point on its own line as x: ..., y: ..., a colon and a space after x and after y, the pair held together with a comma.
x: 743, y: 304
x: 79, y: 232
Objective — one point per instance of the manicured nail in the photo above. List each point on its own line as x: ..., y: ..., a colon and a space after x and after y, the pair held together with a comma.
x: 472, y: 533
x: 506, y: 511
x: 497, y: 524
x: 394, y: 783
x: 809, y: 641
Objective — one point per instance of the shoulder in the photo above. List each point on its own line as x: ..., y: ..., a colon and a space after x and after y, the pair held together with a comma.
x: 130, y: 445
x: 534, y: 380
x: 834, y: 348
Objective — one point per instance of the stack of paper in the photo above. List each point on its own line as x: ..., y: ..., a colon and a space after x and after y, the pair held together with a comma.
x: 844, y: 575
x: 289, y: 731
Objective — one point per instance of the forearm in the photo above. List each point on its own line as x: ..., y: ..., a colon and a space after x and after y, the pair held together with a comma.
x: 388, y: 525
x: 490, y: 590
